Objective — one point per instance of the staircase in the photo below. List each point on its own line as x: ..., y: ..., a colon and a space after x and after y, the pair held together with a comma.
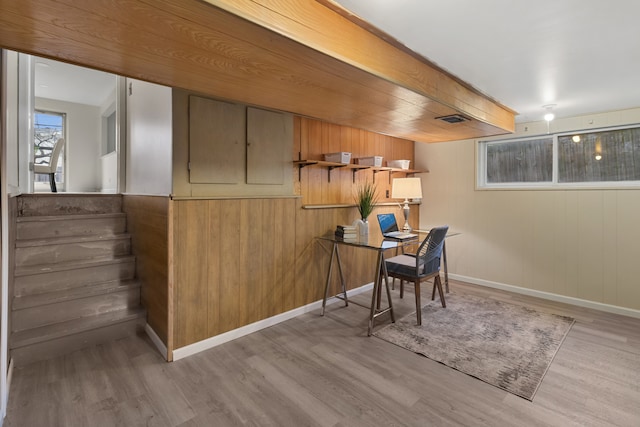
x: 74, y: 280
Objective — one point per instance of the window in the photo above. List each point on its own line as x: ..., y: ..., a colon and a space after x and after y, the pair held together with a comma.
x: 604, y: 158
x: 48, y: 128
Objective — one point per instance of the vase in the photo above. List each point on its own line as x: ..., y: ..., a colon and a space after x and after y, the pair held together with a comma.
x: 363, y: 227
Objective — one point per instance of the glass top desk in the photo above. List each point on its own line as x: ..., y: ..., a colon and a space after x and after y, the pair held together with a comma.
x: 381, y: 245
x: 372, y: 242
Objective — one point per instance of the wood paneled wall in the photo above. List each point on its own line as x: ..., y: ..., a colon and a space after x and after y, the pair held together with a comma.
x: 238, y: 261
x: 147, y: 222
x: 234, y: 264
x: 313, y: 138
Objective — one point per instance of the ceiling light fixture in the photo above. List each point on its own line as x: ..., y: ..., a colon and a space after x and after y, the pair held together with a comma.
x: 549, y: 115
x: 576, y: 138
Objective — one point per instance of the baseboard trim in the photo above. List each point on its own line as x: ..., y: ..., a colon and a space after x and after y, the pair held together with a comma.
x: 550, y: 296
x: 155, y: 339
x: 208, y: 343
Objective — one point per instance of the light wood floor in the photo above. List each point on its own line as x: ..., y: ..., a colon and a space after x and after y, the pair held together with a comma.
x: 314, y: 371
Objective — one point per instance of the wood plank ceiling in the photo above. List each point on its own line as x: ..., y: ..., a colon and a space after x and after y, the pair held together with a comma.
x: 306, y: 57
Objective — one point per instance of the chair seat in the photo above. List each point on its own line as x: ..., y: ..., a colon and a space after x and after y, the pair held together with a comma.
x: 43, y: 169
x: 404, y: 265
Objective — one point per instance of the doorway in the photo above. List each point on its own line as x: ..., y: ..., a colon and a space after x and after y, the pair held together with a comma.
x: 80, y: 105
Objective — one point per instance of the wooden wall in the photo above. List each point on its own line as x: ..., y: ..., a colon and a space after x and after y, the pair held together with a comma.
x: 238, y: 261
x: 147, y: 222
x: 233, y: 264
x: 313, y: 138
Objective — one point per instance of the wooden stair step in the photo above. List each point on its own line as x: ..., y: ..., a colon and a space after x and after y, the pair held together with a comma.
x: 70, y: 249
x: 45, y: 218
x: 68, y: 204
x: 70, y: 327
x: 38, y: 279
x: 71, y: 265
x: 62, y: 295
x: 38, y: 227
x: 27, y: 243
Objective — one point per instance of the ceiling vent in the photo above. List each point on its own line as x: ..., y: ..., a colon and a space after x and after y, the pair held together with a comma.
x: 454, y: 118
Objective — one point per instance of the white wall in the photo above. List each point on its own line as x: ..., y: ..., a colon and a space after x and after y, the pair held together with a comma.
x: 149, y: 138
x: 582, y: 244
x: 82, y: 145
x: 107, y: 172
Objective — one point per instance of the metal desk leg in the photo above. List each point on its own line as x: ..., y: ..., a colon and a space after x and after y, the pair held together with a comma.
x: 344, y: 287
x: 334, y: 254
x: 446, y: 270
x: 374, y: 294
x: 386, y: 282
x: 381, y: 271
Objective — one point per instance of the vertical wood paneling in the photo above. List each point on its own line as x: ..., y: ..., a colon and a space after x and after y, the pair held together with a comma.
x: 261, y: 257
x: 628, y: 244
x: 191, y: 273
x: 148, y: 224
x: 236, y: 272
x: 317, y: 138
x: 230, y: 265
x: 216, y: 222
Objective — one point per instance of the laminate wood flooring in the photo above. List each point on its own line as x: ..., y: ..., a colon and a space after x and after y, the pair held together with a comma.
x: 325, y: 371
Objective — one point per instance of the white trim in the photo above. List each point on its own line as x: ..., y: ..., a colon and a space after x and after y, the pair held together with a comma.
x: 208, y: 343
x: 156, y: 340
x: 550, y: 296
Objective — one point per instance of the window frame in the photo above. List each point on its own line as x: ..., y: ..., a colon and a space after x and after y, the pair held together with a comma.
x: 481, y: 165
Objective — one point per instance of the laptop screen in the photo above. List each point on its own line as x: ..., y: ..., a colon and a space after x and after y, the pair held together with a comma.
x: 387, y: 222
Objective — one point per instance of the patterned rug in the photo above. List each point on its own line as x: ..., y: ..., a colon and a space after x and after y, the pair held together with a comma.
x: 505, y: 345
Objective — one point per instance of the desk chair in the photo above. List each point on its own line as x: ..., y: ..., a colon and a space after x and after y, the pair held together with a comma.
x: 423, y: 265
x: 50, y: 169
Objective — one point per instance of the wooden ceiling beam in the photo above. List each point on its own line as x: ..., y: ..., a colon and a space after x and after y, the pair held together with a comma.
x: 298, y: 56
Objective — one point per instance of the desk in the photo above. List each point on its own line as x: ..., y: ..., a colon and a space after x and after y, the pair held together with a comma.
x: 375, y: 243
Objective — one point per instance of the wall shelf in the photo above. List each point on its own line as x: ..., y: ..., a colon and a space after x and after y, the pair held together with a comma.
x: 347, y: 205
x: 354, y: 168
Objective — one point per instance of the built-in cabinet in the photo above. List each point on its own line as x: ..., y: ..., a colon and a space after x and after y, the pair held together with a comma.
x: 235, y: 145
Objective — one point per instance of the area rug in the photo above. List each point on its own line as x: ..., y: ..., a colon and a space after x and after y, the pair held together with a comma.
x: 505, y: 345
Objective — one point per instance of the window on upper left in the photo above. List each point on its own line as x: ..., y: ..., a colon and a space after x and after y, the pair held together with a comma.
x: 48, y: 128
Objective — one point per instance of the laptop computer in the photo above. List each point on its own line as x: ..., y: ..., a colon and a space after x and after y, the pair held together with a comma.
x: 389, y: 227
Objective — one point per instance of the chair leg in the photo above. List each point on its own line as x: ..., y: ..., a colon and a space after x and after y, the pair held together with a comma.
x: 433, y: 292
x: 418, y: 304
x: 401, y: 288
x: 52, y: 182
x: 437, y: 282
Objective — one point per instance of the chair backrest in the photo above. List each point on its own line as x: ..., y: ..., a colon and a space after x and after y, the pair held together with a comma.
x: 53, y: 160
x: 430, y: 250
x: 55, y: 154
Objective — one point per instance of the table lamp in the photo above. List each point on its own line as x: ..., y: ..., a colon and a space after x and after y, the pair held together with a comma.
x: 406, y: 188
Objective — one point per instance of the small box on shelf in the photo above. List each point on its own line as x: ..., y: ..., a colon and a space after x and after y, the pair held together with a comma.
x: 375, y: 161
x: 341, y: 157
x: 399, y: 164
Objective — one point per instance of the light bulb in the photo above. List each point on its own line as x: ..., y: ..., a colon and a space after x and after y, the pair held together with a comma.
x: 576, y: 138
x: 549, y: 116
x: 598, y: 156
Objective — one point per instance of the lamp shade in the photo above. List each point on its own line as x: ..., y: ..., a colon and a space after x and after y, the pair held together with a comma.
x: 406, y: 188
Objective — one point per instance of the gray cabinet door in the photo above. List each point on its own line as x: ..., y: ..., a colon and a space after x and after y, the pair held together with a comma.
x: 268, y: 150
x: 217, y: 141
